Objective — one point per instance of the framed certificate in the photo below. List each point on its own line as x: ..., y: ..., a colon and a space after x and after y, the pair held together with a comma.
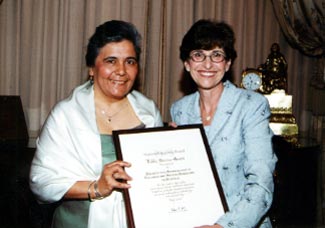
x: 175, y: 183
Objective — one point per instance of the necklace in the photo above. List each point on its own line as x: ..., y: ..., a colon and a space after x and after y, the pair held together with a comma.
x: 206, y: 116
x: 209, y: 107
x: 110, y: 116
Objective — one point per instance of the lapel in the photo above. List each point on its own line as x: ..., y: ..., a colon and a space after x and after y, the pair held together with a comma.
x: 193, y: 110
x: 224, y: 110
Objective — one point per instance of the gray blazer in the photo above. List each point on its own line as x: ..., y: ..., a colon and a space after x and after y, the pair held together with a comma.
x: 241, y: 143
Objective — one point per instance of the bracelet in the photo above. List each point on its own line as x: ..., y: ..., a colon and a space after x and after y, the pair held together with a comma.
x: 89, y: 194
x: 97, y: 194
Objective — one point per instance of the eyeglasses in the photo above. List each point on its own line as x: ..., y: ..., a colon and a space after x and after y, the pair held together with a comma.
x: 199, y: 56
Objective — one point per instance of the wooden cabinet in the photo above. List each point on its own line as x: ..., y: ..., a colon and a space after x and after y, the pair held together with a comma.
x: 296, y: 183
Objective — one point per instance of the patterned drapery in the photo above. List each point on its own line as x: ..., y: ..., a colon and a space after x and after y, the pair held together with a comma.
x: 303, y: 24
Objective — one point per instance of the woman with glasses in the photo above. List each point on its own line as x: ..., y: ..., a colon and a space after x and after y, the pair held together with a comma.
x: 236, y: 122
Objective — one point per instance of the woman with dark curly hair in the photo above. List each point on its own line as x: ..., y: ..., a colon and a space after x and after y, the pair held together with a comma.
x: 236, y: 122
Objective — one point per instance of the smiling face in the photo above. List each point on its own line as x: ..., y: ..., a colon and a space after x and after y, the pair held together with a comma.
x: 115, y: 70
x: 207, y: 74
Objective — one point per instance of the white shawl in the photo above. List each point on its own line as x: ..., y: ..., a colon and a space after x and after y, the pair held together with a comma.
x: 69, y: 150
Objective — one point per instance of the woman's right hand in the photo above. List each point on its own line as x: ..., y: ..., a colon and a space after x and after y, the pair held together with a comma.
x: 113, y: 177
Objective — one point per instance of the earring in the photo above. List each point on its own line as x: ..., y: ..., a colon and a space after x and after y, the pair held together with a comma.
x: 91, y: 79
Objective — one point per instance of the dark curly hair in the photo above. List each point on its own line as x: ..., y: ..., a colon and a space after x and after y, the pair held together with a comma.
x: 207, y: 34
x: 112, y: 31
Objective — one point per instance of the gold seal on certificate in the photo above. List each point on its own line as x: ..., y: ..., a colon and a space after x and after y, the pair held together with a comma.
x: 175, y: 182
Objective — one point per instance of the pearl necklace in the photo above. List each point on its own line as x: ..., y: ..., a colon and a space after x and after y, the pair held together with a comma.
x: 110, y: 117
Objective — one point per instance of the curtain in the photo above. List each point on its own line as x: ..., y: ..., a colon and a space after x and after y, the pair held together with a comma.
x: 42, y: 47
x: 303, y: 24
